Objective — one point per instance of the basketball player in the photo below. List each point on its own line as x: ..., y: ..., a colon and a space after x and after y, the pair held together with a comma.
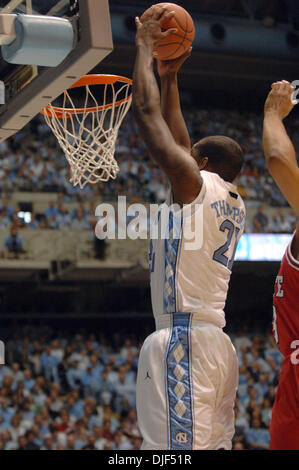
x: 282, y: 164
x: 188, y: 370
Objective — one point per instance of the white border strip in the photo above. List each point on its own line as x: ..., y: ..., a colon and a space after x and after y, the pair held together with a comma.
x: 290, y: 258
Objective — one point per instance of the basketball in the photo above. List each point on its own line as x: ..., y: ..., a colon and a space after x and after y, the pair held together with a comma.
x: 177, y: 43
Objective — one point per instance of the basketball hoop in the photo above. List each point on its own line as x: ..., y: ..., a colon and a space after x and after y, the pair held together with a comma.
x: 87, y: 135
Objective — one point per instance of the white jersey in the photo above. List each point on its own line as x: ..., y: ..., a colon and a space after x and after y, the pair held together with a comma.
x: 196, y: 280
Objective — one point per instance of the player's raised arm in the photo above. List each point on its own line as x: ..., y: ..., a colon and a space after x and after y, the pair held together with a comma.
x: 171, y: 106
x: 181, y: 168
x: 278, y: 148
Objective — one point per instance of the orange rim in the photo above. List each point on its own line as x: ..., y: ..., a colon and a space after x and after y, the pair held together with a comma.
x: 87, y: 80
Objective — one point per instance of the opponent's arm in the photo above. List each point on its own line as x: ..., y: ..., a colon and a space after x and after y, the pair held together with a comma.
x: 171, y: 105
x: 177, y: 163
x: 278, y: 148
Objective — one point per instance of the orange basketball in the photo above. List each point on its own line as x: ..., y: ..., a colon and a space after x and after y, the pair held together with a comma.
x: 177, y: 43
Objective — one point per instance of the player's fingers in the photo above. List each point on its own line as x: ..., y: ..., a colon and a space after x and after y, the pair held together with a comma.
x: 158, y: 12
x: 138, y: 23
x: 180, y: 60
x: 279, y: 82
x: 285, y: 86
x: 285, y: 89
x: 278, y: 87
x: 274, y: 88
x: 288, y: 85
x: 170, y: 31
x: 275, y: 85
x: 186, y: 54
x: 166, y: 15
x: 148, y: 14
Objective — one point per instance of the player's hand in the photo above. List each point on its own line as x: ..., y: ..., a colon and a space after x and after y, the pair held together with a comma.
x: 150, y: 32
x: 166, y: 67
x: 280, y: 99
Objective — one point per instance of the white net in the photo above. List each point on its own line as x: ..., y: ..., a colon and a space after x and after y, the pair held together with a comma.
x: 88, y: 135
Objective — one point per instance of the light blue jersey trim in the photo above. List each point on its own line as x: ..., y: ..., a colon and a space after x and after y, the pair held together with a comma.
x: 179, y: 377
x: 177, y: 300
x: 166, y: 394
x: 191, y: 366
x: 171, y: 249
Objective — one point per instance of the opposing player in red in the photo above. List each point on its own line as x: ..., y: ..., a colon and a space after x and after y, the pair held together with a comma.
x: 281, y: 160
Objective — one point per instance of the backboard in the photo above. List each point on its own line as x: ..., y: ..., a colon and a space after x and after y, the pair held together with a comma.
x: 29, y: 88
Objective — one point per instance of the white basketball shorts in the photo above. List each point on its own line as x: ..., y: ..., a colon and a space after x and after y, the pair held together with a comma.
x: 186, y: 386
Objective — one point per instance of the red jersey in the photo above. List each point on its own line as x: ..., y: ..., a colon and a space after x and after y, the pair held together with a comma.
x: 284, y: 428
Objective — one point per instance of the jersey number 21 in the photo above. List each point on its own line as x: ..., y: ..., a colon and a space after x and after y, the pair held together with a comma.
x: 219, y: 255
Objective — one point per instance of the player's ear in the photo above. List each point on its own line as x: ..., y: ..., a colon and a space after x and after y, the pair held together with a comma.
x: 203, y: 162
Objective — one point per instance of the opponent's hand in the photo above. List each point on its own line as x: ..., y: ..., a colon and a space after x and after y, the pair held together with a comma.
x: 280, y: 99
x: 165, y: 67
x: 150, y: 32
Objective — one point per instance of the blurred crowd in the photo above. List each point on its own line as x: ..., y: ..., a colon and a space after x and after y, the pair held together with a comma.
x: 33, y: 161
x: 59, y: 391
x: 56, y: 216
x: 68, y: 393
x: 279, y: 222
x: 259, y: 368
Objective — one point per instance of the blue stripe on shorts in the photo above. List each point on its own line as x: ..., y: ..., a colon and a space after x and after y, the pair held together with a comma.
x: 179, y: 376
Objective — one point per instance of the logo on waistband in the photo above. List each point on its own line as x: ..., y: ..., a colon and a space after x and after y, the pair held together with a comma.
x: 181, y: 437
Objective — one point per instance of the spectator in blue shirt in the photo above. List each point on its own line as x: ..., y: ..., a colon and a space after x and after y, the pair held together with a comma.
x: 3, y: 425
x: 29, y: 382
x: 75, y: 406
x: 106, y: 391
x: 86, y: 380
x: 49, y: 364
x: 6, y: 208
x: 91, y: 378
x: 73, y: 375
x: 256, y: 437
x: 51, y: 211
x: 14, y: 243
x: 7, y: 411
x: 28, y: 412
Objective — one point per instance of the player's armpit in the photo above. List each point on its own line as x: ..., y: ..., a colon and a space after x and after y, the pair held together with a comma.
x: 286, y: 175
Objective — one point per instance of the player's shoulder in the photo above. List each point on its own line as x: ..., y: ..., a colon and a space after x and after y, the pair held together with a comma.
x: 215, y: 183
x: 211, y: 181
x: 213, y: 178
